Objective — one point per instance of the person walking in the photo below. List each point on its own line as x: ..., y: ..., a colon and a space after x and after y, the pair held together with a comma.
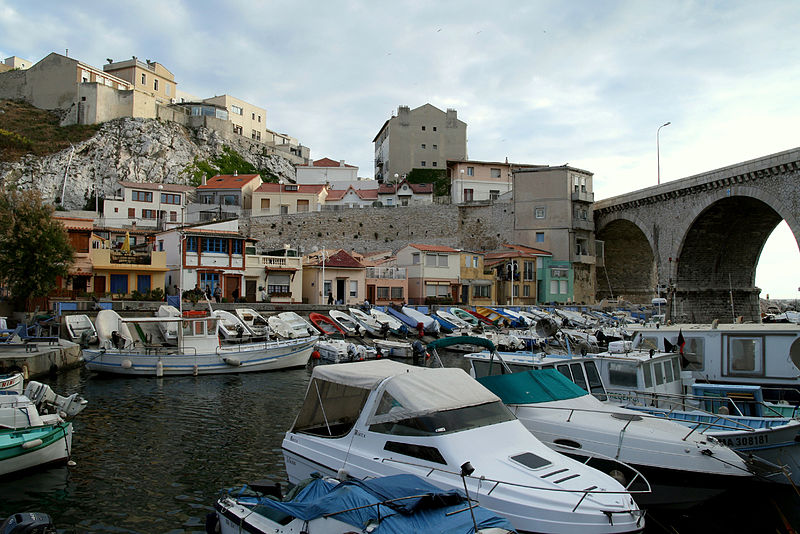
x: 218, y: 293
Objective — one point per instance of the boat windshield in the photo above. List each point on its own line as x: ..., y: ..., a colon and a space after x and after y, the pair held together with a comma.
x: 448, y: 421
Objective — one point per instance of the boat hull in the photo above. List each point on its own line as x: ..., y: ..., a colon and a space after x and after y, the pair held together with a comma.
x: 19, y: 451
x: 244, y: 358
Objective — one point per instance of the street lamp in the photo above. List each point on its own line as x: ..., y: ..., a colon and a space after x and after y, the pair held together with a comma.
x: 658, y: 154
x: 158, y: 209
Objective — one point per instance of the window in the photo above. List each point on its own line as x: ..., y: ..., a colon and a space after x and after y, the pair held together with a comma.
x: 144, y: 79
x: 237, y: 129
x: 415, y: 258
x: 423, y: 128
x: 436, y: 147
x: 209, y: 280
x: 236, y: 246
x: 647, y: 371
x: 434, y: 164
x: 658, y: 370
x: 143, y: 283
x: 236, y: 109
x: 170, y: 198
x: 622, y: 375
x: 215, y: 244
x: 119, y: 284
x: 302, y: 206
x: 230, y: 200
x: 475, y: 261
x: 558, y: 272
x: 694, y: 354
x: 253, y: 116
x: 397, y: 293
x: 470, y: 171
x: 494, y: 194
x: 160, y: 245
x: 354, y: 288
x: 540, y: 237
x: 142, y: 196
x: 191, y: 244
x: 540, y: 212
x: 430, y: 260
x: 581, y: 247
x: 259, y: 118
x: 256, y: 135
x: 173, y: 216
x: 265, y: 204
x: 423, y: 452
x: 469, y: 195
x: 434, y: 128
x: 576, y: 183
x: 423, y: 146
x: 278, y: 283
x: 745, y: 355
x: 444, y: 422
x: 131, y: 213
x: 443, y: 260
x: 481, y: 291
x: 148, y: 214
x: 383, y: 293
x: 515, y: 290
x: 554, y: 287
x: 562, y: 287
x: 526, y: 290
x: 528, y: 270
x: 155, y: 85
x: 422, y: 164
x: 495, y: 173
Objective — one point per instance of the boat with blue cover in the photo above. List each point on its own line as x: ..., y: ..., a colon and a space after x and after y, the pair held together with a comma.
x: 396, y: 504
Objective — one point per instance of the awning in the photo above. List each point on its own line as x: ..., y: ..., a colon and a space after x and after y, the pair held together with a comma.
x: 476, y: 282
x: 284, y: 269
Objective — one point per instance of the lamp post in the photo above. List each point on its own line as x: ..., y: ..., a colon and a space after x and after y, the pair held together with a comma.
x: 658, y: 152
x: 461, y: 187
x: 158, y: 209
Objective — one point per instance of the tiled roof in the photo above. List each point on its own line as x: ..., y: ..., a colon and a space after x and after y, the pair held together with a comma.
x: 432, y: 248
x: 421, y: 188
x: 525, y: 248
x: 327, y: 162
x: 341, y: 260
x: 363, y: 194
x: 336, y: 194
x: 170, y: 188
x: 229, y: 181
x: 275, y: 188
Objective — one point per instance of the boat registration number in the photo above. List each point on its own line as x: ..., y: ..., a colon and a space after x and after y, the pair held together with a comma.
x: 745, y: 441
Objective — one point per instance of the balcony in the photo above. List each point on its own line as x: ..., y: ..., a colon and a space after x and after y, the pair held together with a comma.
x: 582, y: 196
x: 583, y: 224
x: 584, y: 258
x: 386, y: 273
x: 275, y: 263
x: 106, y: 258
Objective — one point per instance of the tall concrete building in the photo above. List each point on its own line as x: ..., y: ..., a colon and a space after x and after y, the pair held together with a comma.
x: 553, y: 211
x: 420, y: 138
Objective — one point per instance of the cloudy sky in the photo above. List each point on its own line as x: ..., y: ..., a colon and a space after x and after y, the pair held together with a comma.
x: 549, y: 82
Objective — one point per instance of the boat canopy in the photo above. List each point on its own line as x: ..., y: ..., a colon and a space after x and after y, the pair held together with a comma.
x: 409, y: 391
x: 532, y: 387
x: 396, y: 504
x: 459, y: 340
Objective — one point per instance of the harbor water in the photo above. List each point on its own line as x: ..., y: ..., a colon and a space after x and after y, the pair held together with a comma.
x: 152, y: 454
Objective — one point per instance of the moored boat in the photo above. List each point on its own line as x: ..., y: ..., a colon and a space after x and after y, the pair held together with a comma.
x: 325, y: 324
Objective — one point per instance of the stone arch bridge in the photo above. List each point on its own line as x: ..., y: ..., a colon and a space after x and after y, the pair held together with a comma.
x: 698, y: 239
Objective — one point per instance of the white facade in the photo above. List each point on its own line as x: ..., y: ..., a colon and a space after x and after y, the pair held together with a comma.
x: 145, y: 205
x: 326, y: 171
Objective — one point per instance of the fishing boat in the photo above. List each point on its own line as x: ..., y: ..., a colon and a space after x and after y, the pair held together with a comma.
x: 683, y: 469
x: 429, y: 325
x: 255, y: 323
x: 368, y: 323
x: 80, y: 329
x: 198, y: 350
x: 346, y: 323
x: 11, y: 382
x: 325, y: 324
x: 35, y: 431
x: 393, y: 504
x: 396, y: 327
x: 379, y: 418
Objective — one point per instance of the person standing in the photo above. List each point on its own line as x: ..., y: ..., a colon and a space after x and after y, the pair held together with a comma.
x: 218, y: 293
x: 330, y: 298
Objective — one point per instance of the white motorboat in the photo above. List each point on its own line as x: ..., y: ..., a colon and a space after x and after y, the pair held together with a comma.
x: 254, y: 321
x: 80, y: 329
x: 231, y: 328
x: 34, y: 428
x: 198, y: 350
x: 169, y: 329
x: 378, y: 418
x: 429, y: 325
x: 11, y: 383
x: 394, y: 348
x: 368, y: 323
x: 340, y: 351
x: 395, y: 327
x: 347, y: 323
x: 393, y: 504
x: 682, y: 468
x: 299, y: 326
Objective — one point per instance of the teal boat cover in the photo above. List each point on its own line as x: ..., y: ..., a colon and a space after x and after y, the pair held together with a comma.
x: 461, y: 340
x: 532, y: 387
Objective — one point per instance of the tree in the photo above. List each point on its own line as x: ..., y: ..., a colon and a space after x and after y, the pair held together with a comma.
x: 34, y: 247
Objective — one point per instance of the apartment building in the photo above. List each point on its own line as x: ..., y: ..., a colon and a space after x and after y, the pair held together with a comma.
x: 146, y: 205
x: 246, y: 119
x: 276, y: 274
x: 515, y: 269
x: 282, y: 199
x: 147, y: 77
x: 79, y: 232
x: 420, y: 138
x: 477, y: 285
x: 433, y: 272
x: 326, y: 171
x: 478, y: 181
x: 553, y: 210
x: 224, y: 196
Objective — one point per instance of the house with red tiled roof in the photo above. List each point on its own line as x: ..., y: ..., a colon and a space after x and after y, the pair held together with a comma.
x: 224, y: 196
x: 518, y: 273
x: 335, y: 273
x: 325, y: 171
x: 350, y: 198
x: 284, y: 198
x: 405, y: 194
x: 433, y: 273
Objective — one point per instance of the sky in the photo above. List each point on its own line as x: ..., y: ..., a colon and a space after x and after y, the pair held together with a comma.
x: 584, y: 82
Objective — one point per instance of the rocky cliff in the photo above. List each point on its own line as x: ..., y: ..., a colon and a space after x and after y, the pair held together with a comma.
x: 136, y: 150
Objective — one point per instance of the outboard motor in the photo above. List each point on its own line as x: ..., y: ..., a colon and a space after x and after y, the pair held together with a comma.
x: 28, y: 523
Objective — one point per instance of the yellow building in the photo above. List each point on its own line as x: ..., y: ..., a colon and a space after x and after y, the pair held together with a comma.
x: 477, y: 287
x: 123, y: 269
x: 146, y: 76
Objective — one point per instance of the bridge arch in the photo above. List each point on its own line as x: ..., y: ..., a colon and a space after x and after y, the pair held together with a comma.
x: 629, y: 267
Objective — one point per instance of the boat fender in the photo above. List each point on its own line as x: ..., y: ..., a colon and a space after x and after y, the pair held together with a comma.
x: 32, y: 444
x: 316, y: 355
x: 342, y: 475
x: 195, y: 370
x: 25, y: 371
x: 232, y: 361
x: 159, y: 368
x: 126, y: 364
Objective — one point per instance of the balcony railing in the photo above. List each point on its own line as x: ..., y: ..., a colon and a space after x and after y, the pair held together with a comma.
x: 582, y: 196
x: 275, y: 262
x: 583, y: 224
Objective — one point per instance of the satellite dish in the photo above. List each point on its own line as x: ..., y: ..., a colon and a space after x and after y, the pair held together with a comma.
x: 546, y: 327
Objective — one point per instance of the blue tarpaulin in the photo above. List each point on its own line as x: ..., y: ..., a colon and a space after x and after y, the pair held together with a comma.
x: 530, y: 387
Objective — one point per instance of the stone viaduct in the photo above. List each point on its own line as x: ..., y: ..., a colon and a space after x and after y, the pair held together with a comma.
x: 699, y: 238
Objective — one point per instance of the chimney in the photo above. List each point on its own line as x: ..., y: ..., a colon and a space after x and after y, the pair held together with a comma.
x: 310, y: 162
x: 204, y: 179
x: 341, y: 163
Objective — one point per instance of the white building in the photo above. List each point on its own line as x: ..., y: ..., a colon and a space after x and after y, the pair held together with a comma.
x: 145, y: 205
x: 326, y: 171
